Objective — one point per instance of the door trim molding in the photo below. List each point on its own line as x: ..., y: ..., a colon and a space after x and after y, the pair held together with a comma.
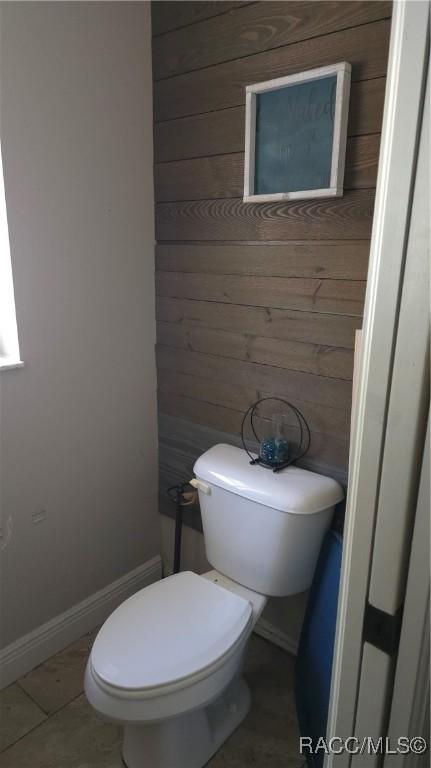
x: 397, y: 162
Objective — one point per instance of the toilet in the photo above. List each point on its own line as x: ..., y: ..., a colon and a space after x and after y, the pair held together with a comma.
x: 167, y: 664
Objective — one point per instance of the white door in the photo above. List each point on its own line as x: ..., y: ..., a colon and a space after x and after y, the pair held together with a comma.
x: 390, y: 413
x: 410, y: 713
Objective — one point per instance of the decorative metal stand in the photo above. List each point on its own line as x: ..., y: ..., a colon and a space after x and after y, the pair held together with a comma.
x: 304, y: 431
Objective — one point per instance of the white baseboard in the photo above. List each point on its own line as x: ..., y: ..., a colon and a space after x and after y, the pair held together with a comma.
x: 267, y: 630
x: 32, y: 649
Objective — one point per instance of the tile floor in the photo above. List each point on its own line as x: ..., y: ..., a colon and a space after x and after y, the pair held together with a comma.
x: 46, y: 722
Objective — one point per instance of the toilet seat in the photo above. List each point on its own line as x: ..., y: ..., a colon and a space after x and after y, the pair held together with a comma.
x: 168, y: 636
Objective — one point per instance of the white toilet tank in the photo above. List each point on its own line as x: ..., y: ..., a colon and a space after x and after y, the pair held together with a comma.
x: 263, y: 529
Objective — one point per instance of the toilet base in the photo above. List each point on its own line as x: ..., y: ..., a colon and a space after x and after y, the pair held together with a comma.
x: 189, y: 740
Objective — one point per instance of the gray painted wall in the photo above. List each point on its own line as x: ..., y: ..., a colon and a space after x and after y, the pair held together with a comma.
x: 78, y: 422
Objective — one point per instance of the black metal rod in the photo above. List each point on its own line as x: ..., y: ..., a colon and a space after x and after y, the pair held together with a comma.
x: 178, y: 529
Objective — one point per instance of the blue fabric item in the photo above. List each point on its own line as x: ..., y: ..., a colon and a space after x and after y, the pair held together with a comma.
x: 316, y: 646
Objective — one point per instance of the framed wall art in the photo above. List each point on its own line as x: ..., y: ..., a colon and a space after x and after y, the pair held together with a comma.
x: 295, y: 135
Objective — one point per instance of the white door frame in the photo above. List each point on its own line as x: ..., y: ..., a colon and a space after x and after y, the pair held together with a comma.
x: 411, y: 685
x: 401, y: 124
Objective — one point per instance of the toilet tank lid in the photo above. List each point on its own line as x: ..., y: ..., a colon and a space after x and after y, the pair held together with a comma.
x: 293, y: 490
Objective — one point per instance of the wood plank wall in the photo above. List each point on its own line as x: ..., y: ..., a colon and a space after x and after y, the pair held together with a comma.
x: 256, y: 299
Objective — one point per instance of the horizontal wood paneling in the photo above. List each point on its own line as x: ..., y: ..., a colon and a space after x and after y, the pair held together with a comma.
x: 293, y: 385
x: 284, y: 324
x: 331, y: 421
x: 324, y: 447
x: 253, y: 29
x: 257, y: 299
x: 181, y: 436
x: 362, y: 157
x: 201, y: 178
x: 222, y: 132
x: 223, y: 85
x: 166, y: 15
x: 344, y: 297
x: 222, y: 176
x: 325, y: 259
x: 344, y: 218
x: 183, y: 440
x: 295, y: 355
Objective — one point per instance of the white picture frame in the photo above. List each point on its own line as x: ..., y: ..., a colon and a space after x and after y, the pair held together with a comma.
x: 342, y: 70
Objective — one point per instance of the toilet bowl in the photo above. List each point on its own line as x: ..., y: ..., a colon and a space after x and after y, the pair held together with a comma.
x: 167, y: 663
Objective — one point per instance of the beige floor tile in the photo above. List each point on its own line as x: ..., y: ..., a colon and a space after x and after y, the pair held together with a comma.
x: 75, y: 737
x: 60, y: 679
x: 18, y: 715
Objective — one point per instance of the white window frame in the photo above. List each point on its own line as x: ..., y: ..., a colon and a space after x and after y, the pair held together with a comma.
x: 9, y: 343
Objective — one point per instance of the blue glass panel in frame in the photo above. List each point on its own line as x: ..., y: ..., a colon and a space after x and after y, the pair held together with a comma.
x: 294, y: 136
